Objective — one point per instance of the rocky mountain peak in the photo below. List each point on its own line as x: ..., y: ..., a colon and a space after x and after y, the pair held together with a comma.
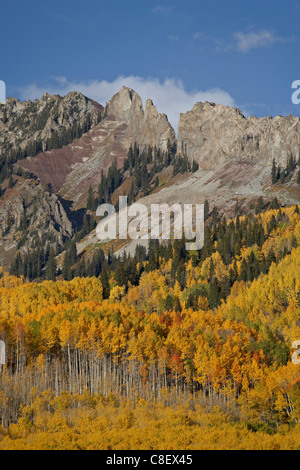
x: 150, y: 109
x: 147, y: 127
x: 234, y: 154
x: 214, y: 134
x: 124, y: 104
x: 73, y: 168
x: 22, y: 124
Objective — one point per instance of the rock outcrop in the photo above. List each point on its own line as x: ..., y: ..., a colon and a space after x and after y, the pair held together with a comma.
x: 72, y: 169
x: 29, y: 215
x: 234, y: 154
x: 22, y: 123
x: 146, y: 127
x: 213, y: 134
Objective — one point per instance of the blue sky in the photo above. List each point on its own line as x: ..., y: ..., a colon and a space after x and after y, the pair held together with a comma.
x: 176, y: 52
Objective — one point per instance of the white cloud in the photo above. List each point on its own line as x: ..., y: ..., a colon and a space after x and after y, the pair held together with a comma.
x: 244, y: 42
x: 170, y: 96
x: 173, y: 38
x: 162, y: 9
x: 198, y: 36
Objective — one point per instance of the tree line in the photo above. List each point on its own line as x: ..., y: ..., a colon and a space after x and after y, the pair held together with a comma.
x: 225, y: 241
x: 284, y: 175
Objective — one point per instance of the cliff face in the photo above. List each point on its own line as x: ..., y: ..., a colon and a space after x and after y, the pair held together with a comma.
x: 214, y: 134
x: 125, y: 123
x: 235, y: 155
x: 72, y: 169
x: 22, y: 123
x: 147, y: 127
x: 29, y: 213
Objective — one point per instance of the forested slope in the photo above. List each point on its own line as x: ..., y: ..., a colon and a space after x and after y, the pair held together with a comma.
x: 199, y: 343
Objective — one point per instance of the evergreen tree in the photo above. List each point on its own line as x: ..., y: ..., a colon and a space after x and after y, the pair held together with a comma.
x: 177, y: 305
x: 259, y: 205
x: 51, y: 267
x: 105, y: 282
x: 66, y: 268
x: 290, y: 165
x: 85, y: 226
x: 206, y: 210
x: 91, y: 205
x: 282, y: 177
x: 195, y: 166
x: 275, y: 204
x: 213, y: 293
x: 72, y: 253
x: 274, y: 173
x: 244, y: 272
x: 169, y: 302
x: 214, y: 215
x: 11, y: 182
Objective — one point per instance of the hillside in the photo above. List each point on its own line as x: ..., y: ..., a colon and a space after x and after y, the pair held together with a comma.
x: 219, y: 155
x: 199, y: 340
x: 108, y: 341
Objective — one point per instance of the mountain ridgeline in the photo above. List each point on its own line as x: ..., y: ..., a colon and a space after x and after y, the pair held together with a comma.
x: 78, y: 154
x: 108, y: 342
